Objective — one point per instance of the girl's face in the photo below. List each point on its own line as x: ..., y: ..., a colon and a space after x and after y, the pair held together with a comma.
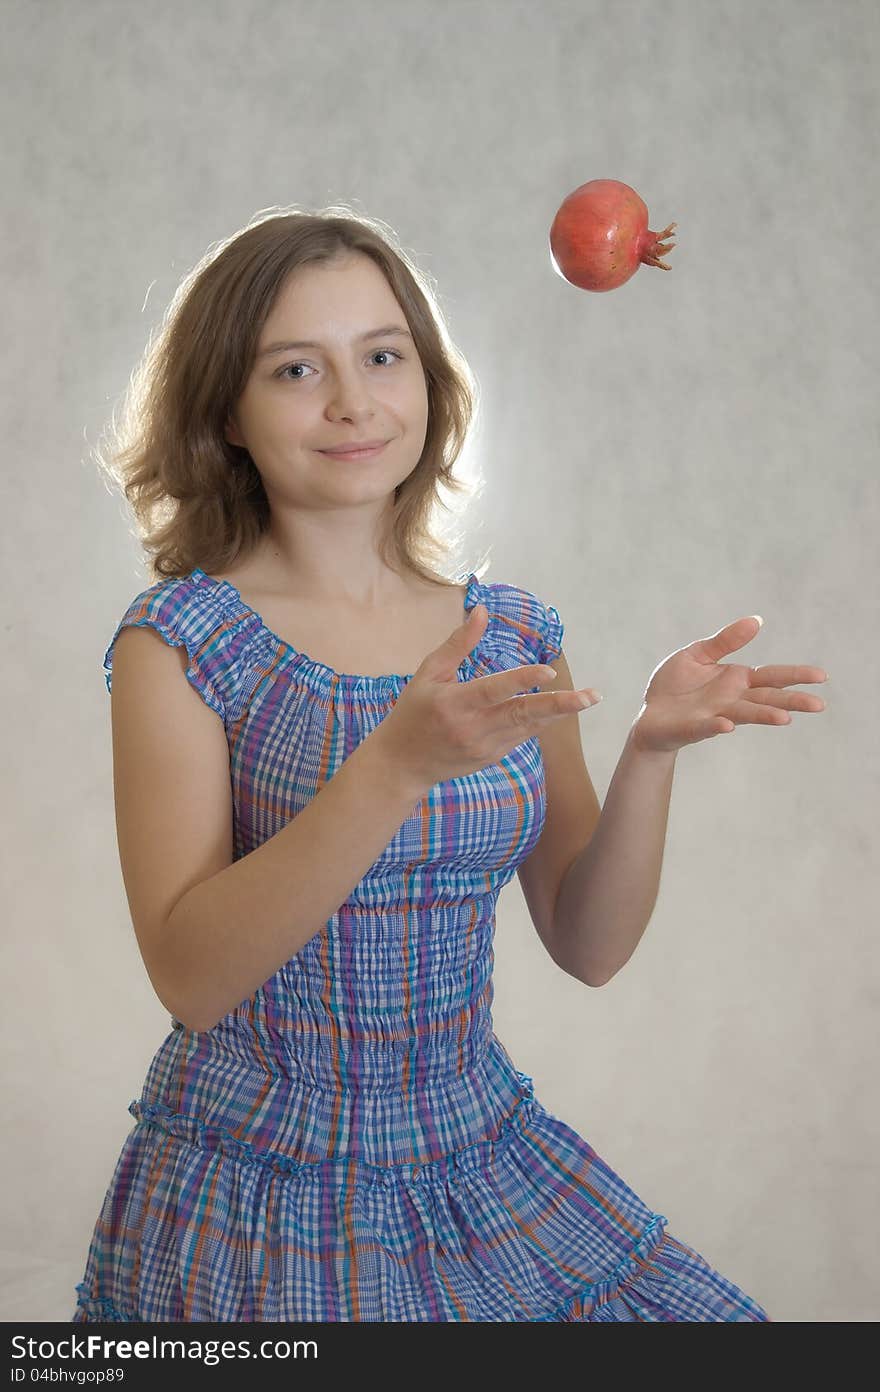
x: 344, y: 387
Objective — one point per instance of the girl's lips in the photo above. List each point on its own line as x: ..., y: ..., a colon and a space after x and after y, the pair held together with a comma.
x: 354, y: 454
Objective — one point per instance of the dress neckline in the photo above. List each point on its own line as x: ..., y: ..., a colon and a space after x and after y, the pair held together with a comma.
x: 198, y: 575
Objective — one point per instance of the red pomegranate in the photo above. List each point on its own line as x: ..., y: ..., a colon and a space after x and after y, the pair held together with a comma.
x: 600, y: 236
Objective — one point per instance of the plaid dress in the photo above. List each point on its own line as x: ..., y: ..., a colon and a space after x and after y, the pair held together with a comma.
x: 353, y: 1142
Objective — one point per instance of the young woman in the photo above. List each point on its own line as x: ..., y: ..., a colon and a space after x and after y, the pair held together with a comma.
x: 328, y: 760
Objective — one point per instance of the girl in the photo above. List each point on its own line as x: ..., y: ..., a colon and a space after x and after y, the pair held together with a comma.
x: 328, y: 760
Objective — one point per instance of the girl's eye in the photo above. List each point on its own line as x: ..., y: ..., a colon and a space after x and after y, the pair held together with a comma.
x: 388, y: 352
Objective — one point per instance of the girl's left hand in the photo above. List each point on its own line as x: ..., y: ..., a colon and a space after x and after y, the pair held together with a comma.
x: 693, y: 695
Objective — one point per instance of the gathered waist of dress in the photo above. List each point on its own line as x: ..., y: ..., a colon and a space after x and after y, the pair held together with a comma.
x: 333, y: 1042
x: 205, y: 1099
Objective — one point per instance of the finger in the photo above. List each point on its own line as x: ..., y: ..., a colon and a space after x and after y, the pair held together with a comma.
x: 747, y: 713
x: 786, y: 700
x: 538, y: 709
x: 497, y: 687
x: 444, y: 662
x: 786, y: 676
x: 727, y: 640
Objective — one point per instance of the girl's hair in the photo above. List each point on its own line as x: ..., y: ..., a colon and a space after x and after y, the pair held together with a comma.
x: 198, y: 501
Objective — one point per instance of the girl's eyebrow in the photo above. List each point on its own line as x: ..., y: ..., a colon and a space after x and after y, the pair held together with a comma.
x: 310, y: 343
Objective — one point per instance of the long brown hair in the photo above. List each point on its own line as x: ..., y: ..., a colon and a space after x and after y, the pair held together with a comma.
x: 199, y: 501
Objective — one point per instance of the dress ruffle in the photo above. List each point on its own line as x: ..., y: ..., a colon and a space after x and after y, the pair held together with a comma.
x: 528, y: 1225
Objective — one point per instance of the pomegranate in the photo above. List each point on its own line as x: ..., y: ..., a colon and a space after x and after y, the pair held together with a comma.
x: 600, y: 236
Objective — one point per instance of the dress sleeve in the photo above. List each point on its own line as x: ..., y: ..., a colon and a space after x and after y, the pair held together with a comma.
x: 550, y: 634
x: 540, y: 627
x: 184, y: 618
x: 526, y: 624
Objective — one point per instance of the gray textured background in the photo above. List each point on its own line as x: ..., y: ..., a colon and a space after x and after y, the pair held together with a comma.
x: 658, y: 461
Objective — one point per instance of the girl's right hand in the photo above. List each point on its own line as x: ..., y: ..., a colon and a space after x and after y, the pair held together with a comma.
x: 441, y: 728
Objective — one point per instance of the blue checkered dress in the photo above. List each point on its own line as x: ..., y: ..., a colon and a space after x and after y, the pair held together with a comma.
x: 353, y: 1142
